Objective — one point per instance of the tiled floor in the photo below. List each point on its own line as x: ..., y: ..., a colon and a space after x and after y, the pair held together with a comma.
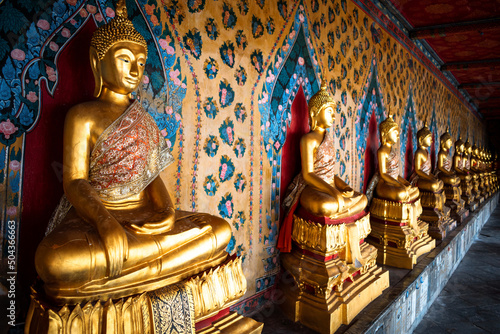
x: 469, y: 303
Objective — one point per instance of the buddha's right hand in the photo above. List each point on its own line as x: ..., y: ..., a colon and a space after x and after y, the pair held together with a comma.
x: 115, y: 244
x: 160, y: 222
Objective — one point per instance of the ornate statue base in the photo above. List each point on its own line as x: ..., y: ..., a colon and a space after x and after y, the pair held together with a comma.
x: 436, y: 214
x: 485, y: 181
x: 467, y: 195
x: 195, y: 300
x: 455, y: 202
x: 398, y: 234
x: 476, y: 189
x: 329, y: 288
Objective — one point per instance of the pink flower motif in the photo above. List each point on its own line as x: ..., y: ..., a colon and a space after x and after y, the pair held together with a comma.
x: 72, y: 21
x: 177, y: 82
x: 18, y: 54
x: 51, y: 73
x: 43, y: 24
x: 223, y: 172
x: 11, y: 211
x: 98, y: 17
x: 229, y: 134
x: 229, y: 209
x: 32, y: 97
x: 145, y: 79
x: 110, y: 12
x: 15, y: 165
x: 170, y: 50
x: 65, y: 33
x: 53, y: 46
x: 169, y: 110
x: 92, y: 9
x: 7, y: 128
x: 223, y: 96
x: 177, y: 117
x: 163, y: 43
x: 277, y: 145
x: 164, y: 132
x: 169, y: 143
x: 214, y: 146
x: 71, y: 2
x: 83, y: 13
x: 209, y: 186
x: 183, y: 85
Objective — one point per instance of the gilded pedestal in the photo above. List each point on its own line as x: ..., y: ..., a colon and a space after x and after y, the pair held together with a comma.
x: 173, y: 309
x: 436, y: 214
x: 328, y: 289
x: 468, y: 195
x: 455, y: 202
x: 398, y: 234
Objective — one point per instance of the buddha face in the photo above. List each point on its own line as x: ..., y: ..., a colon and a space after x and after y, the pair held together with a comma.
x: 426, y: 141
x: 393, y: 135
x: 325, y: 117
x: 122, y: 67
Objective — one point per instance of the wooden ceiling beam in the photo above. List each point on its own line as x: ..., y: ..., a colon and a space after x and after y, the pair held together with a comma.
x: 451, y: 29
x: 469, y: 65
x: 478, y: 84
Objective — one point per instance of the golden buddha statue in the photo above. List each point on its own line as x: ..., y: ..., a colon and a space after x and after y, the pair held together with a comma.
x: 444, y: 164
x: 468, y: 153
x: 476, y: 167
x: 451, y: 180
x: 120, y: 234
x: 423, y: 176
x: 460, y: 167
x: 327, y: 221
x: 431, y: 189
x: 397, y: 230
x: 391, y: 185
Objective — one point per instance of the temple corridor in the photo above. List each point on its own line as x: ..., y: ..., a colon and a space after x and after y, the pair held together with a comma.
x: 469, y: 303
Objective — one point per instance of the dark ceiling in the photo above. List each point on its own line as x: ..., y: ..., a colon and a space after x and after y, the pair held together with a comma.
x: 464, y: 36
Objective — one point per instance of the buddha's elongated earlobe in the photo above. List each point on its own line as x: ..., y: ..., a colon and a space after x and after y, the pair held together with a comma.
x: 95, y: 64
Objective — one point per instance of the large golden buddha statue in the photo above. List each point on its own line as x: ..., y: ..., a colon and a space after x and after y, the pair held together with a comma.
x: 431, y: 189
x: 327, y: 221
x: 119, y: 234
x: 451, y: 180
x: 397, y: 231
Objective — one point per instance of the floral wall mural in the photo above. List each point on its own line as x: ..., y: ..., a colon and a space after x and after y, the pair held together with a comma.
x: 220, y: 80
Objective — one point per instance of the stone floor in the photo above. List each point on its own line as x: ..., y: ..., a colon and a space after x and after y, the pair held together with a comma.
x: 469, y: 303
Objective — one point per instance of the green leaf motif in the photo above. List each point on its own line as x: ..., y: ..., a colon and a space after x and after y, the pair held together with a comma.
x: 11, y: 19
x: 4, y: 48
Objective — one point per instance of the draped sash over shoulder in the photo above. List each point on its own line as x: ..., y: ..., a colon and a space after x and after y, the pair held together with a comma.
x: 128, y: 155
x: 126, y: 158
x: 324, y: 164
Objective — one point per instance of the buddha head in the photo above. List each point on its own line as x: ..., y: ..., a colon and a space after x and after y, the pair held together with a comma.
x: 118, y: 54
x: 459, y: 146
x: 424, y: 136
x: 445, y: 140
x: 467, y: 147
x: 475, y: 151
x: 321, y: 109
x: 389, y: 131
